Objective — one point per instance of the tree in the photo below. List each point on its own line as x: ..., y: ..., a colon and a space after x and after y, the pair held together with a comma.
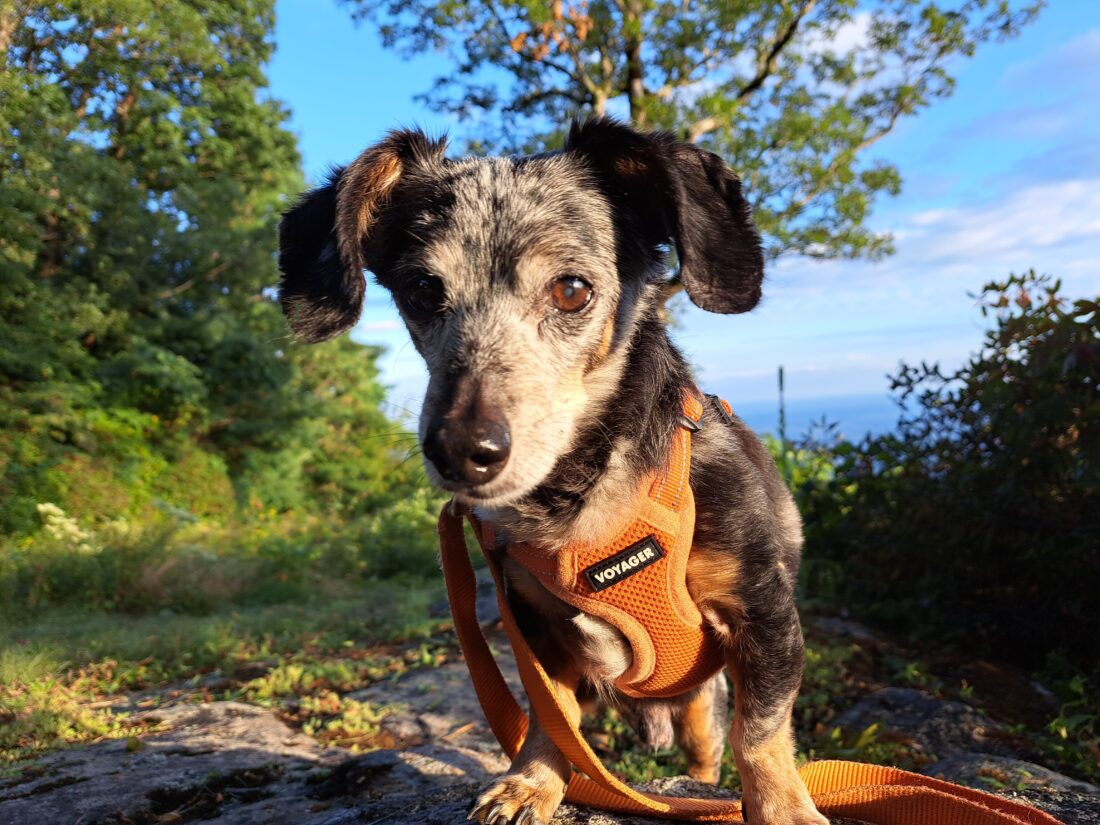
x: 143, y: 169
x: 790, y: 92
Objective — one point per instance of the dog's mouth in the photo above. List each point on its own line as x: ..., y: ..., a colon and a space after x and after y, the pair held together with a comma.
x: 496, y: 493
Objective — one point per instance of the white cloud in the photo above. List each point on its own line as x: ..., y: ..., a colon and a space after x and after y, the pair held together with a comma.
x: 841, y: 326
x: 1026, y: 223
x: 853, y: 34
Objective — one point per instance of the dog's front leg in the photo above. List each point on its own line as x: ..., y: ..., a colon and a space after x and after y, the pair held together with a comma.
x: 765, y: 665
x: 534, y: 786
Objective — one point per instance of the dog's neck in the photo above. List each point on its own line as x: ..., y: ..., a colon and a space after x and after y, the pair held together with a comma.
x: 619, y: 442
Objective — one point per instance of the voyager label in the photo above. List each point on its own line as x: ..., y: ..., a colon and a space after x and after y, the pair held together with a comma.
x: 624, y: 564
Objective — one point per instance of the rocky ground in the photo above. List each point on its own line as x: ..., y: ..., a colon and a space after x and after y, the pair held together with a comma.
x: 228, y: 763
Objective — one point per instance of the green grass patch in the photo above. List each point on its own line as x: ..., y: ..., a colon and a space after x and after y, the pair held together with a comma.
x: 59, y: 671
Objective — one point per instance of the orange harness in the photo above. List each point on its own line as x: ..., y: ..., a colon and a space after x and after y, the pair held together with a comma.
x: 636, y: 580
x: 665, y: 513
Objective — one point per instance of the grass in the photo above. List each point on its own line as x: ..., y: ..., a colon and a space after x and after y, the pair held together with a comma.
x: 58, y: 673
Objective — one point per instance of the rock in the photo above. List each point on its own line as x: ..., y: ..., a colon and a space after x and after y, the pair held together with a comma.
x: 225, y: 762
x: 417, y: 772
x: 439, y: 704
x: 488, y: 611
x: 835, y: 626
x: 987, y: 772
x: 1068, y: 807
x: 936, y: 727
x: 972, y: 749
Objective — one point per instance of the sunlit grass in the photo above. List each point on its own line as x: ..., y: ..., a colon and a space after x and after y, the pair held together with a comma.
x: 57, y: 671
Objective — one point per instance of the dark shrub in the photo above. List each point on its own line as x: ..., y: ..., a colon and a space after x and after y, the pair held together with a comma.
x: 979, y: 519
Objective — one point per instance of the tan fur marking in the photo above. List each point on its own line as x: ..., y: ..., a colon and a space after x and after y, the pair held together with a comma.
x: 699, y: 737
x: 365, y: 188
x: 713, y: 579
x: 605, y: 345
x: 773, y: 792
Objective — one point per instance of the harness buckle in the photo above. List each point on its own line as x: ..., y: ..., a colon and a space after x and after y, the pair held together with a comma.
x: 690, y: 424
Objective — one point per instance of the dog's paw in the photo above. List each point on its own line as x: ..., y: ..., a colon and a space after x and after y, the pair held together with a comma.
x: 516, y: 800
x: 797, y: 813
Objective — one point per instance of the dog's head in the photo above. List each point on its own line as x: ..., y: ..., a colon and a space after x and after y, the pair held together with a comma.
x: 521, y: 280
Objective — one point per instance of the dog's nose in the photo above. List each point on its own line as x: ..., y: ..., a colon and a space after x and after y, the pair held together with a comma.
x: 471, y: 451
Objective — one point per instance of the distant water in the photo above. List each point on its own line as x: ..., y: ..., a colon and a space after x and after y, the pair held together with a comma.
x: 855, y: 415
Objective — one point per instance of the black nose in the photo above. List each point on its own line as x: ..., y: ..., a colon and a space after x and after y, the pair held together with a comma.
x: 473, y: 451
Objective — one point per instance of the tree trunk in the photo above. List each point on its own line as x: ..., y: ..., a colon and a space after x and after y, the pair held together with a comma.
x: 635, y: 72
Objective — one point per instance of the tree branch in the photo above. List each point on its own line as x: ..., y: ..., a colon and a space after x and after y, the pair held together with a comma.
x: 11, y: 15
x: 766, y: 62
x: 529, y: 58
x: 209, y: 275
x: 830, y: 170
x: 635, y: 72
x: 531, y: 98
x: 701, y: 127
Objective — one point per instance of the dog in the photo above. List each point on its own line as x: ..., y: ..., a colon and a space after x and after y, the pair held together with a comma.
x: 533, y: 287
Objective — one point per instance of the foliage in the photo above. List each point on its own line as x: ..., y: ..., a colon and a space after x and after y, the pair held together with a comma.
x: 1073, y: 735
x: 39, y: 715
x: 144, y: 366
x: 791, y: 94
x: 978, y: 521
x: 198, y: 568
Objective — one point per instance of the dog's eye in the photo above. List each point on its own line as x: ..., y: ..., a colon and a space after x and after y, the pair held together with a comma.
x: 570, y: 294
x: 424, y: 297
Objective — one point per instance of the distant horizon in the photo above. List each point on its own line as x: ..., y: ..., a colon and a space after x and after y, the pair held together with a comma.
x: 855, y: 415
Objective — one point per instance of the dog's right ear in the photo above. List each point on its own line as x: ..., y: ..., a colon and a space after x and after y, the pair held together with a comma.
x: 322, y: 237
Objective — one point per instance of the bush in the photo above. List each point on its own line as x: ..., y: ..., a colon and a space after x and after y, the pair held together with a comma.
x: 979, y: 519
x: 177, y: 562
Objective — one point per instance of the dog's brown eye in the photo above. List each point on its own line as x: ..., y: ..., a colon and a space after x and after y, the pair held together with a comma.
x: 570, y: 294
x: 424, y: 297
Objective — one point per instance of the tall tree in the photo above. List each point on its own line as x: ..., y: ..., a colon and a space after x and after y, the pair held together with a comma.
x: 791, y: 92
x: 143, y: 168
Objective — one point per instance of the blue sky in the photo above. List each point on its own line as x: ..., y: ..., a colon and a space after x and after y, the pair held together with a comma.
x: 1003, y: 176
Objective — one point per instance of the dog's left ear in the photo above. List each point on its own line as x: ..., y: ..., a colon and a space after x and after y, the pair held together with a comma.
x: 672, y: 191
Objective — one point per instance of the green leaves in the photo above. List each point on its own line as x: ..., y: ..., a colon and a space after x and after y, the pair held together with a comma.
x: 143, y: 170
x: 791, y: 94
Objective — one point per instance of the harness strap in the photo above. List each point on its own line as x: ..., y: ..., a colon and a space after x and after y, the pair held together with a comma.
x: 632, y: 575
x: 875, y: 794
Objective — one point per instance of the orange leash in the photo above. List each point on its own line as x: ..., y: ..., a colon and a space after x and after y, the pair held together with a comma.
x: 875, y: 794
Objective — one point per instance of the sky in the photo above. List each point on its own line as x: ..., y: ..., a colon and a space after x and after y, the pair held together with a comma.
x: 1001, y: 177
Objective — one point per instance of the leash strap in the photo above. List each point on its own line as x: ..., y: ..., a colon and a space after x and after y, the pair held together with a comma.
x: 873, y: 793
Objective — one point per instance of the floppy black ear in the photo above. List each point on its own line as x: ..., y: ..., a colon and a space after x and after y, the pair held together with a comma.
x: 674, y: 192
x: 320, y: 295
x: 321, y: 238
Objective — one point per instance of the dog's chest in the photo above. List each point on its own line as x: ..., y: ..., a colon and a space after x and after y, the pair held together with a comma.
x: 598, y: 650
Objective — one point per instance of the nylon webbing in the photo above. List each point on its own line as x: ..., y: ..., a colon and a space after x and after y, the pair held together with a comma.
x: 875, y: 794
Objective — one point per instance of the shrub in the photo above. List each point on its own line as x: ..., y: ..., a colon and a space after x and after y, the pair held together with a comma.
x: 979, y: 519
